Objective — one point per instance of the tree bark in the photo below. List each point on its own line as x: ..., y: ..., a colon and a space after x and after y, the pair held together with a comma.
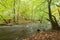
x: 52, y: 18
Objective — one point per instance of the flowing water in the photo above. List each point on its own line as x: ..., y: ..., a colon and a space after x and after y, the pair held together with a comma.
x: 18, y: 32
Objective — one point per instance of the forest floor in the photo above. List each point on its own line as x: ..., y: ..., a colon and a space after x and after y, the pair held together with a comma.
x: 45, y: 35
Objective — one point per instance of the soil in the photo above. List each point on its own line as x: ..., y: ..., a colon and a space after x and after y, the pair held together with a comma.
x: 45, y: 35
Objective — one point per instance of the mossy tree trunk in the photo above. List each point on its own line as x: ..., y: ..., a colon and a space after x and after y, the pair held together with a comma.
x: 52, y: 18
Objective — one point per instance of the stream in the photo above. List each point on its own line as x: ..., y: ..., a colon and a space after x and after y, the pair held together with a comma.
x: 18, y: 32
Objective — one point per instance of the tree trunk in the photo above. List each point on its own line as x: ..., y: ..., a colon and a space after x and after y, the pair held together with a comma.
x: 52, y: 18
x: 14, y: 11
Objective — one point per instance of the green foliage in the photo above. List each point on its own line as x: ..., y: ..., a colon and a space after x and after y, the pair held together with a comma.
x: 29, y: 9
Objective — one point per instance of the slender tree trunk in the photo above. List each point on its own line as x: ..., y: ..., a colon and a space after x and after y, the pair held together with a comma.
x: 52, y: 18
x: 14, y: 11
x: 18, y: 11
